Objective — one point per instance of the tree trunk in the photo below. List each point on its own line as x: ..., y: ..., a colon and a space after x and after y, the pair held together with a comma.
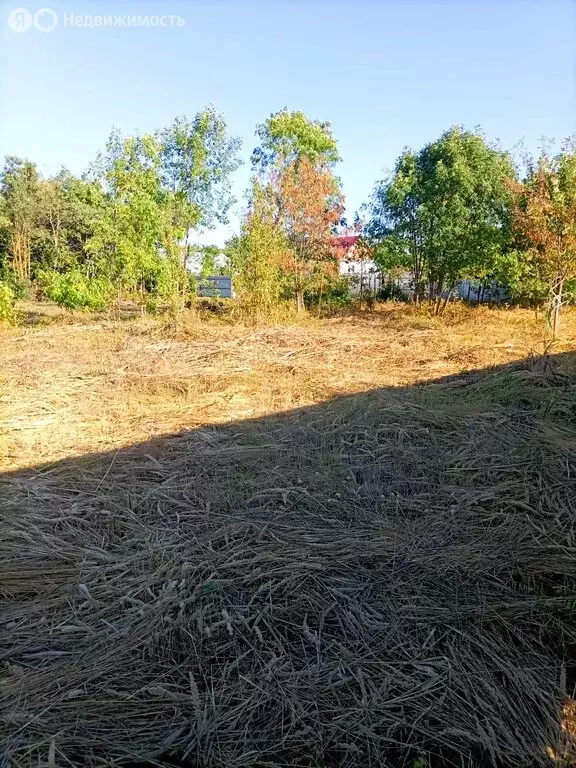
x: 447, y: 299
x: 418, y: 293
x: 556, y: 305
x: 300, y: 300
x: 438, y: 297
x: 482, y: 291
x: 20, y: 247
x: 320, y: 295
x: 416, y: 283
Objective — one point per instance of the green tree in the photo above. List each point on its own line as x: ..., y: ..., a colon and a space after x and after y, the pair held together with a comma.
x: 545, y: 221
x: 198, y: 158
x: 255, y: 258
x: 204, y: 260
x: 20, y: 191
x: 68, y: 212
x: 287, y: 137
x: 294, y: 175
x: 445, y: 211
x: 136, y: 222
x: 51, y: 246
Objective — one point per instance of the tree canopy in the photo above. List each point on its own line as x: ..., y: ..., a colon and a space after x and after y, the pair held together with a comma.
x: 287, y: 137
x: 456, y: 209
x: 198, y: 157
x: 544, y: 218
x: 126, y: 222
x: 295, y: 192
x: 444, y: 212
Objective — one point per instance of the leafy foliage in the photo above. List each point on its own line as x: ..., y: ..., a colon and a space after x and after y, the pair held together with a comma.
x: 198, y: 158
x: 127, y: 237
x: 288, y: 137
x: 205, y: 259
x: 544, y: 218
x: 20, y: 190
x: 332, y: 293
x: 7, y: 304
x: 127, y: 222
x: 20, y: 288
x: 73, y: 290
x: 256, y: 257
x: 444, y: 212
x: 70, y: 209
x: 311, y: 206
x: 296, y: 200
x: 453, y: 210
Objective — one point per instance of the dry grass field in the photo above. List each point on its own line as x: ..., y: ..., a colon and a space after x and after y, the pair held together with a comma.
x: 341, y: 542
x: 71, y: 386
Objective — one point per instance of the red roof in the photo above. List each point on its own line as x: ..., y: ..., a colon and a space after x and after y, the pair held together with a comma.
x: 346, y: 241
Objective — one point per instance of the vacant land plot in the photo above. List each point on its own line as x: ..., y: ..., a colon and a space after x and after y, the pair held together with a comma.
x: 75, y: 386
x: 349, y: 542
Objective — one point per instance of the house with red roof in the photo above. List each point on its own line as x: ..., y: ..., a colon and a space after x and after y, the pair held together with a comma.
x: 365, y: 275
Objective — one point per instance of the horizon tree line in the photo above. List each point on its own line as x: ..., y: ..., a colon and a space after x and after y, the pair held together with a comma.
x: 460, y: 208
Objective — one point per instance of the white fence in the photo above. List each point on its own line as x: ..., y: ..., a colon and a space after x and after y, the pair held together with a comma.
x: 367, y: 280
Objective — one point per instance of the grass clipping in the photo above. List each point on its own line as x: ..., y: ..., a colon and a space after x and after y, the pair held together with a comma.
x: 381, y: 578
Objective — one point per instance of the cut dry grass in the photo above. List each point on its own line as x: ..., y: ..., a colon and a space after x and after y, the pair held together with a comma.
x: 328, y: 570
x: 72, y: 388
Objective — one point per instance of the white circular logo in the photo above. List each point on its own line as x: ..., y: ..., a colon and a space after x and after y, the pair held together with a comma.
x: 45, y: 19
x: 20, y: 20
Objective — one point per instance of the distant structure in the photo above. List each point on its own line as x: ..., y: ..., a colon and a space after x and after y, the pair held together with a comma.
x: 216, y: 286
x: 365, y: 277
x: 482, y: 292
x: 347, y: 244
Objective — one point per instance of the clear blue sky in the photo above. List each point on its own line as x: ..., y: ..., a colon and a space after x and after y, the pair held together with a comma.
x: 385, y: 74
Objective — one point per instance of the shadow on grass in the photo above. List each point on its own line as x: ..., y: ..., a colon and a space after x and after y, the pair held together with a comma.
x: 382, y: 579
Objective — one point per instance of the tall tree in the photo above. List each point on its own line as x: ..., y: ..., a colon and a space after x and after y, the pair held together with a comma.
x: 20, y: 191
x: 310, y: 210
x: 52, y: 223
x: 68, y: 210
x: 129, y: 235
x: 287, y: 137
x: 256, y: 257
x: 445, y: 211
x: 85, y: 205
x: 293, y: 167
x: 198, y: 158
x: 545, y: 219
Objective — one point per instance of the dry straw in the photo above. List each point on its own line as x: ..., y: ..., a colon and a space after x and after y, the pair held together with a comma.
x: 380, y: 579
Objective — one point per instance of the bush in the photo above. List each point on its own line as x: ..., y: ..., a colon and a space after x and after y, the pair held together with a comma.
x: 73, y: 290
x: 213, y: 305
x: 152, y: 304
x: 7, y: 300
x: 570, y: 292
x: 21, y: 288
x: 391, y: 292
x: 335, y: 295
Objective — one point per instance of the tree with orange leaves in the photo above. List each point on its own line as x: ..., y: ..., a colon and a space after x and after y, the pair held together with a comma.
x: 293, y: 167
x: 310, y: 205
x: 544, y: 218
